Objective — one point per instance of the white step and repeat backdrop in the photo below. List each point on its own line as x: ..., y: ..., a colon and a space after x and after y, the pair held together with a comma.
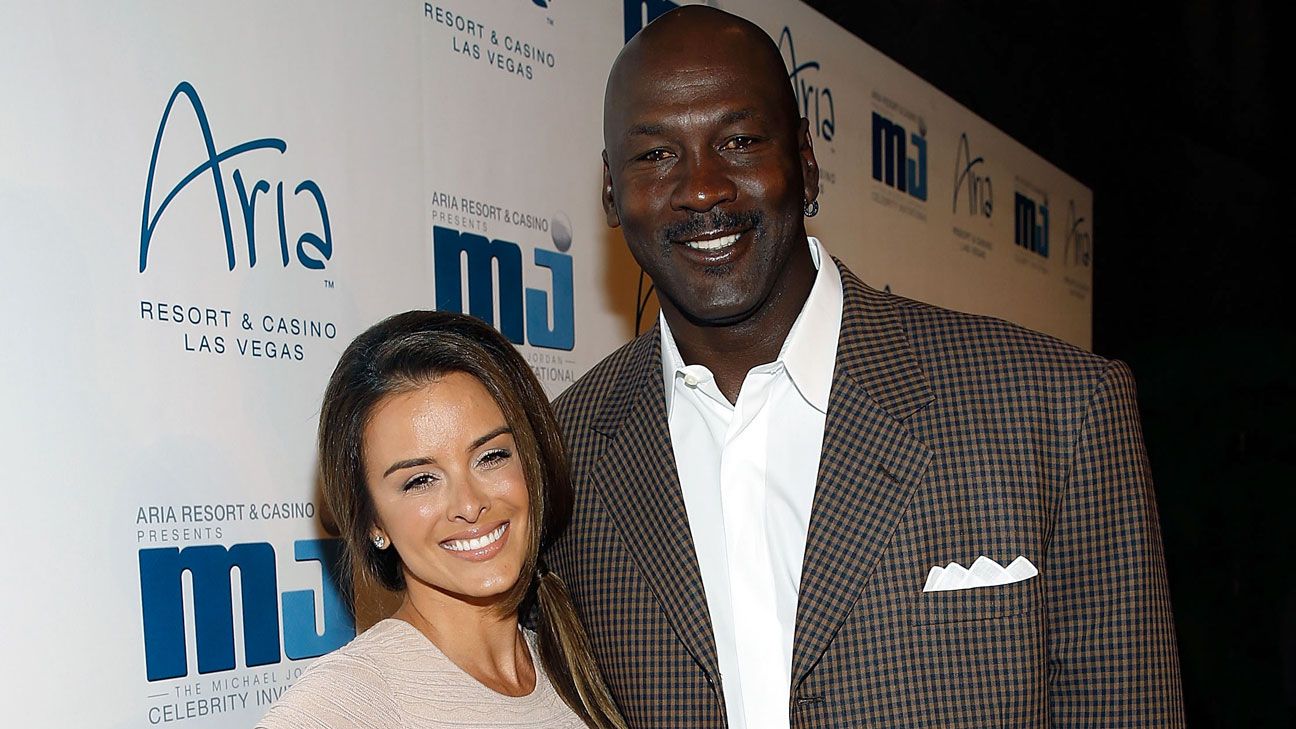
x: 202, y: 203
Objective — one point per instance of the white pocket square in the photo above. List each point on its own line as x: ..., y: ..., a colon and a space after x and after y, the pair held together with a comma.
x: 984, y: 572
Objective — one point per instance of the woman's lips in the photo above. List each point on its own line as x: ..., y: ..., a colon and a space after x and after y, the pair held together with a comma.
x: 479, y: 548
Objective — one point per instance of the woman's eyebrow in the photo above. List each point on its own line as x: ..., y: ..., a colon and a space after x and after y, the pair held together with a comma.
x: 407, y: 463
x: 489, y: 437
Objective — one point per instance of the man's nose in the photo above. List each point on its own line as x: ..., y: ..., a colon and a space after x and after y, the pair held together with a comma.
x: 703, y: 183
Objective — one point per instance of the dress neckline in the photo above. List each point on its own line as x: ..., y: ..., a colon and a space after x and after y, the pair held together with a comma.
x: 394, y: 623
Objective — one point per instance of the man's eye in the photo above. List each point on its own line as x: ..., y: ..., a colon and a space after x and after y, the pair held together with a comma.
x: 740, y: 142
x: 494, y: 457
x: 421, y: 481
x: 656, y: 155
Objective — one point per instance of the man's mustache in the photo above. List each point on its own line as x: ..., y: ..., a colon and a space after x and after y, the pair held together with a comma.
x: 699, y: 223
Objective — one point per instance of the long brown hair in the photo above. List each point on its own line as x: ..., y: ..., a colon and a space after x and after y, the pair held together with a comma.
x: 407, y: 351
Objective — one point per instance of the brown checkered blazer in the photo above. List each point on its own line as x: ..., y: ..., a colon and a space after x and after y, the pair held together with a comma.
x: 948, y: 437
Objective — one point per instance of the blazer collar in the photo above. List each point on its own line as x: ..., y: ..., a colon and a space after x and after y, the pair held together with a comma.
x: 869, y: 467
x: 873, y: 350
x: 637, y: 480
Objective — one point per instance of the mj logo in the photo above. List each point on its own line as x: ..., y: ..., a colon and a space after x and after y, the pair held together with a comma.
x: 542, y: 329
x: 210, y: 568
x: 891, y: 161
x: 1031, y: 229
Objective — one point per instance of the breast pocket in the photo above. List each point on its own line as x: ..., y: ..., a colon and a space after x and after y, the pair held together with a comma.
x: 978, y: 603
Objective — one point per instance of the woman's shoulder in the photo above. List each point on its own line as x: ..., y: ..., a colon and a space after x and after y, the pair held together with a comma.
x: 393, y: 676
x: 346, y: 688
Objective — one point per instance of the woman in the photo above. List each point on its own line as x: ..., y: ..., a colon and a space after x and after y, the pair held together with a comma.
x: 442, y: 464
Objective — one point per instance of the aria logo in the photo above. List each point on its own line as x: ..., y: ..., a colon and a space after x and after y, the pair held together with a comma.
x: 892, y: 164
x: 1031, y: 224
x: 969, y: 179
x: 313, y: 248
x: 1078, y: 250
x: 211, y: 569
x: 543, y: 328
x: 816, y: 102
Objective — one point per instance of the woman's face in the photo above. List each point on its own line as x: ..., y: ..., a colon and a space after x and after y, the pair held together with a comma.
x: 448, y: 488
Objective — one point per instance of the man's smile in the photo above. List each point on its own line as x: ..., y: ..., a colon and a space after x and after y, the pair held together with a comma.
x: 712, y: 243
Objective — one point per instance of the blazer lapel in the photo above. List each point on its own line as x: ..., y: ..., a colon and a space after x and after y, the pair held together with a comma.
x: 637, y: 479
x: 868, y: 469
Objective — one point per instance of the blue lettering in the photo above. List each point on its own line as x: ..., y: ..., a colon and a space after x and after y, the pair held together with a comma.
x: 1031, y: 225
x: 162, y: 598
x: 824, y: 117
x: 248, y: 203
x: 323, y: 246
x: 210, y: 568
x: 891, y: 162
x: 917, y: 168
x: 1079, y: 243
x: 562, y: 335
x: 448, y: 248
x: 302, y: 639
x: 888, y: 139
x: 550, y: 318
x: 980, y: 191
x: 639, y: 13
x: 151, y: 216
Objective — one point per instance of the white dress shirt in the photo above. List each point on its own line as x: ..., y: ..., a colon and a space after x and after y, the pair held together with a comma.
x: 747, y: 471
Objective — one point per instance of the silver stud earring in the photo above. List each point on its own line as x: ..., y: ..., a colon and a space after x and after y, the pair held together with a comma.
x: 811, y: 208
x: 380, y: 541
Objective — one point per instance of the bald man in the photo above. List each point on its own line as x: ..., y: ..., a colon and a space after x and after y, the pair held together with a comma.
x: 766, y: 480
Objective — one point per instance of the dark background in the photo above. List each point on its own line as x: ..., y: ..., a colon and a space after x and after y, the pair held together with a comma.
x: 1175, y: 117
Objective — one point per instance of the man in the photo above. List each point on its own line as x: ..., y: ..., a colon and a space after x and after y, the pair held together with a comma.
x: 766, y: 480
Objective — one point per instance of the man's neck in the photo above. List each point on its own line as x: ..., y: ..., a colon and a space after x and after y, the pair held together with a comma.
x: 731, y: 351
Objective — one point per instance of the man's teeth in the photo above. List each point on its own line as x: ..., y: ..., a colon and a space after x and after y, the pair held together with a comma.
x: 713, y: 244
x: 469, y: 545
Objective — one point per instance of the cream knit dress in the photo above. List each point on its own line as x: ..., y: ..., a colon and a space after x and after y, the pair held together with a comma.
x: 391, y: 676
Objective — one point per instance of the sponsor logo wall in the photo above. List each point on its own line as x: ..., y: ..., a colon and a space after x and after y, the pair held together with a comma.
x: 201, y: 205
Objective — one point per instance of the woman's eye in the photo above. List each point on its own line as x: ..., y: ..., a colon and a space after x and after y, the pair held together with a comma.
x: 494, y: 457
x: 421, y: 481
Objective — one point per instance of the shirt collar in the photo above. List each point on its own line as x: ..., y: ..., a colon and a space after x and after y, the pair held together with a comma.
x: 808, y: 354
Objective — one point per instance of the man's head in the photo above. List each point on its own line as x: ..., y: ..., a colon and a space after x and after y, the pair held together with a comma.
x: 707, y: 167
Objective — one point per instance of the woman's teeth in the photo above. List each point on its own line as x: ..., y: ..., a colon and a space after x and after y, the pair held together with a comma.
x: 713, y: 244
x: 469, y: 545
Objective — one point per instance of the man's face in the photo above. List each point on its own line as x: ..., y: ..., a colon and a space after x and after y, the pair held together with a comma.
x: 707, y: 170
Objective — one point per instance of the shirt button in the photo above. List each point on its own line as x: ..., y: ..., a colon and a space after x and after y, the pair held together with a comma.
x: 690, y: 380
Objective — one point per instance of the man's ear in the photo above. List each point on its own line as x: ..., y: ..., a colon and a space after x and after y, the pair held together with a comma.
x: 609, y: 196
x: 809, y: 165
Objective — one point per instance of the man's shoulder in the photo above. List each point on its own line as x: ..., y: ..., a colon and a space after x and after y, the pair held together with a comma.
x: 960, y: 353
x: 949, y: 334
x: 938, y: 334
x: 605, y: 380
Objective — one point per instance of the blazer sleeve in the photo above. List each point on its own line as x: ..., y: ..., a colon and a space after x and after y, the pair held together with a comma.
x: 1112, y: 655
